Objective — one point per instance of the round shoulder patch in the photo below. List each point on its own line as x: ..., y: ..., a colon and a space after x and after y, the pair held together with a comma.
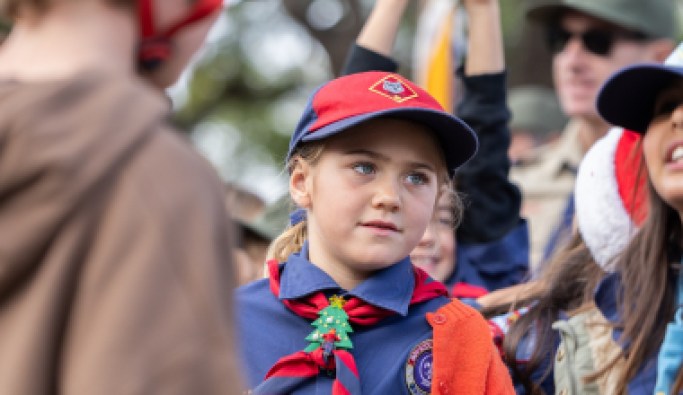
x: 419, y: 368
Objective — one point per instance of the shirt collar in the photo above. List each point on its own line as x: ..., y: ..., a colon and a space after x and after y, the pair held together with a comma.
x: 390, y: 288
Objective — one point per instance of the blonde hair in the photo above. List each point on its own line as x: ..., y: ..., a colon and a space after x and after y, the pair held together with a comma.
x: 293, y: 238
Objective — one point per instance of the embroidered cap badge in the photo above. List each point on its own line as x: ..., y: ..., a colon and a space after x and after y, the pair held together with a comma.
x: 393, y: 87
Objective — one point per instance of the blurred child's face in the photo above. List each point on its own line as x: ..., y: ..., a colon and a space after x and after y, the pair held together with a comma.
x: 435, y: 253
x: 663, y: 146
x: 369, y: 197
x: 186, y: 41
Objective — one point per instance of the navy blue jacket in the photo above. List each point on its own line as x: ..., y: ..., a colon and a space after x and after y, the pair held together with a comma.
x: 268, y: 330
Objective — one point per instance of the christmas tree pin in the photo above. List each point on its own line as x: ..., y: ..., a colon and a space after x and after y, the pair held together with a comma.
x: 332, y: 328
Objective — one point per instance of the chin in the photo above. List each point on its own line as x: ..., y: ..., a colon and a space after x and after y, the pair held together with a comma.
x: 579, y: 110
x: 164, y: 77
x: 376, y: 262
x: 673, y: 197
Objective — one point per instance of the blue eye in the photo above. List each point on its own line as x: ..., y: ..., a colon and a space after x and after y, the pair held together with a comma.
x: 364, y: 168
x: 418, y: 179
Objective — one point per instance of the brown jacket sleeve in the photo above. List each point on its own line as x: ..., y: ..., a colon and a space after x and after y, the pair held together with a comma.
x: 465, y: 359
x: 151, y: 309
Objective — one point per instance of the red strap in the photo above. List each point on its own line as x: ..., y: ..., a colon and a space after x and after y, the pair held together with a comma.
x: 146, y: 18
x: 201, y: 9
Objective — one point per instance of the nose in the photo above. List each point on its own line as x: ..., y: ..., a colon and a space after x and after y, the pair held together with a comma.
x: 573, y: 51
x: 387, y: 196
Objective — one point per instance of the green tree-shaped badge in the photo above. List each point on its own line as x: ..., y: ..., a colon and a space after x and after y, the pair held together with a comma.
x: 332, y: 317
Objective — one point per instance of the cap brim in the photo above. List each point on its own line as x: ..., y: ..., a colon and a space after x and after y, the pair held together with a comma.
x: 458, y: 141
x: 628, y: 98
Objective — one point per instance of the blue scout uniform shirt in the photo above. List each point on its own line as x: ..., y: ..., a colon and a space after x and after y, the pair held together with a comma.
x: 495, y: 264
x: 267, y: 330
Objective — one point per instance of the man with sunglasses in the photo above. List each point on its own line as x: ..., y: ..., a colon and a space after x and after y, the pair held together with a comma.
x: 589, y: 40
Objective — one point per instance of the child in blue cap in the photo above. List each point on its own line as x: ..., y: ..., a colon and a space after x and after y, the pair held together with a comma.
x: 344, y: 311
x: 643, y: 298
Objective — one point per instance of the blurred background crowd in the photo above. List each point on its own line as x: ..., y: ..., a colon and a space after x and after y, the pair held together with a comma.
x: 242, y: 97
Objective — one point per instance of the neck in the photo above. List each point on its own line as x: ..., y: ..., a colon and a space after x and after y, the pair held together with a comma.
x: 69, y: 38
x: 344, y: 275
x: 347, y: 279
x: 591, y: 129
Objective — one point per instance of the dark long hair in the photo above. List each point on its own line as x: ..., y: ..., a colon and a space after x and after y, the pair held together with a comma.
x: 565, y: 284
x: 647, y: 297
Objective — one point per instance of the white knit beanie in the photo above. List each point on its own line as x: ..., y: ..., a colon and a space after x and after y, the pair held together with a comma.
x: 610, y: 195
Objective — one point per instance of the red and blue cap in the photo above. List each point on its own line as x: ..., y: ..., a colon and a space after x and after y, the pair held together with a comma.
x: 350, y: 100
x: 628, y: 98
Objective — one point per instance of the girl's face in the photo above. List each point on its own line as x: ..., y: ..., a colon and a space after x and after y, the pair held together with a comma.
x: 435, y: 253
x: 369, y: 197
x: 663, y: 146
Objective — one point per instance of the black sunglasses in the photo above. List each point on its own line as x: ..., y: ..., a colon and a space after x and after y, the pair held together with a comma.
x: 597, y: 41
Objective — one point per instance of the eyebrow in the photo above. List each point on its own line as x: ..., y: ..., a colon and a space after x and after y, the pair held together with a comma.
x: 384, y: 158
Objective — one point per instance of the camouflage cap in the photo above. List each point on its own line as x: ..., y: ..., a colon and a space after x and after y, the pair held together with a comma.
x: 655, y: 18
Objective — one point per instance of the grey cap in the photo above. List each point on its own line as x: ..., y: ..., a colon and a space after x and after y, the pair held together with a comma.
x: 535, y: 109
x: 655, y: 18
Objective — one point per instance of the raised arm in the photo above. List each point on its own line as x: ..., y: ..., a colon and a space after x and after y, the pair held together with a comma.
x: 485, y: 42
x: 493, y: 201
x: 372, y: 50
x: 380, y: 29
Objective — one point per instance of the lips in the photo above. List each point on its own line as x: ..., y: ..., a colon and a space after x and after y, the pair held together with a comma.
x: 378, y: 224
x: 674, y: 152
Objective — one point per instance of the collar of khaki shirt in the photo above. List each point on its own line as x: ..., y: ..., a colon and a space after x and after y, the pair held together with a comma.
x: 564, y: 155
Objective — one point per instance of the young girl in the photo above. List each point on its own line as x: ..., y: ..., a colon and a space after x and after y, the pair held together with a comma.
x: 647, y: 289
x: 344, y: 309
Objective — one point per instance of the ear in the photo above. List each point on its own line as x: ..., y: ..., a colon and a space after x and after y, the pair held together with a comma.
x: 300, y: 182
x: 660, y: 49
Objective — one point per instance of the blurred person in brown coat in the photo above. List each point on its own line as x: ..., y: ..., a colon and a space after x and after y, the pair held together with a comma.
x: 113, y: 275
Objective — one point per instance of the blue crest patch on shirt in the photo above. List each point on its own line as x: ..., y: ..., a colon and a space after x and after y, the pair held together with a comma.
x: 419, y: 368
